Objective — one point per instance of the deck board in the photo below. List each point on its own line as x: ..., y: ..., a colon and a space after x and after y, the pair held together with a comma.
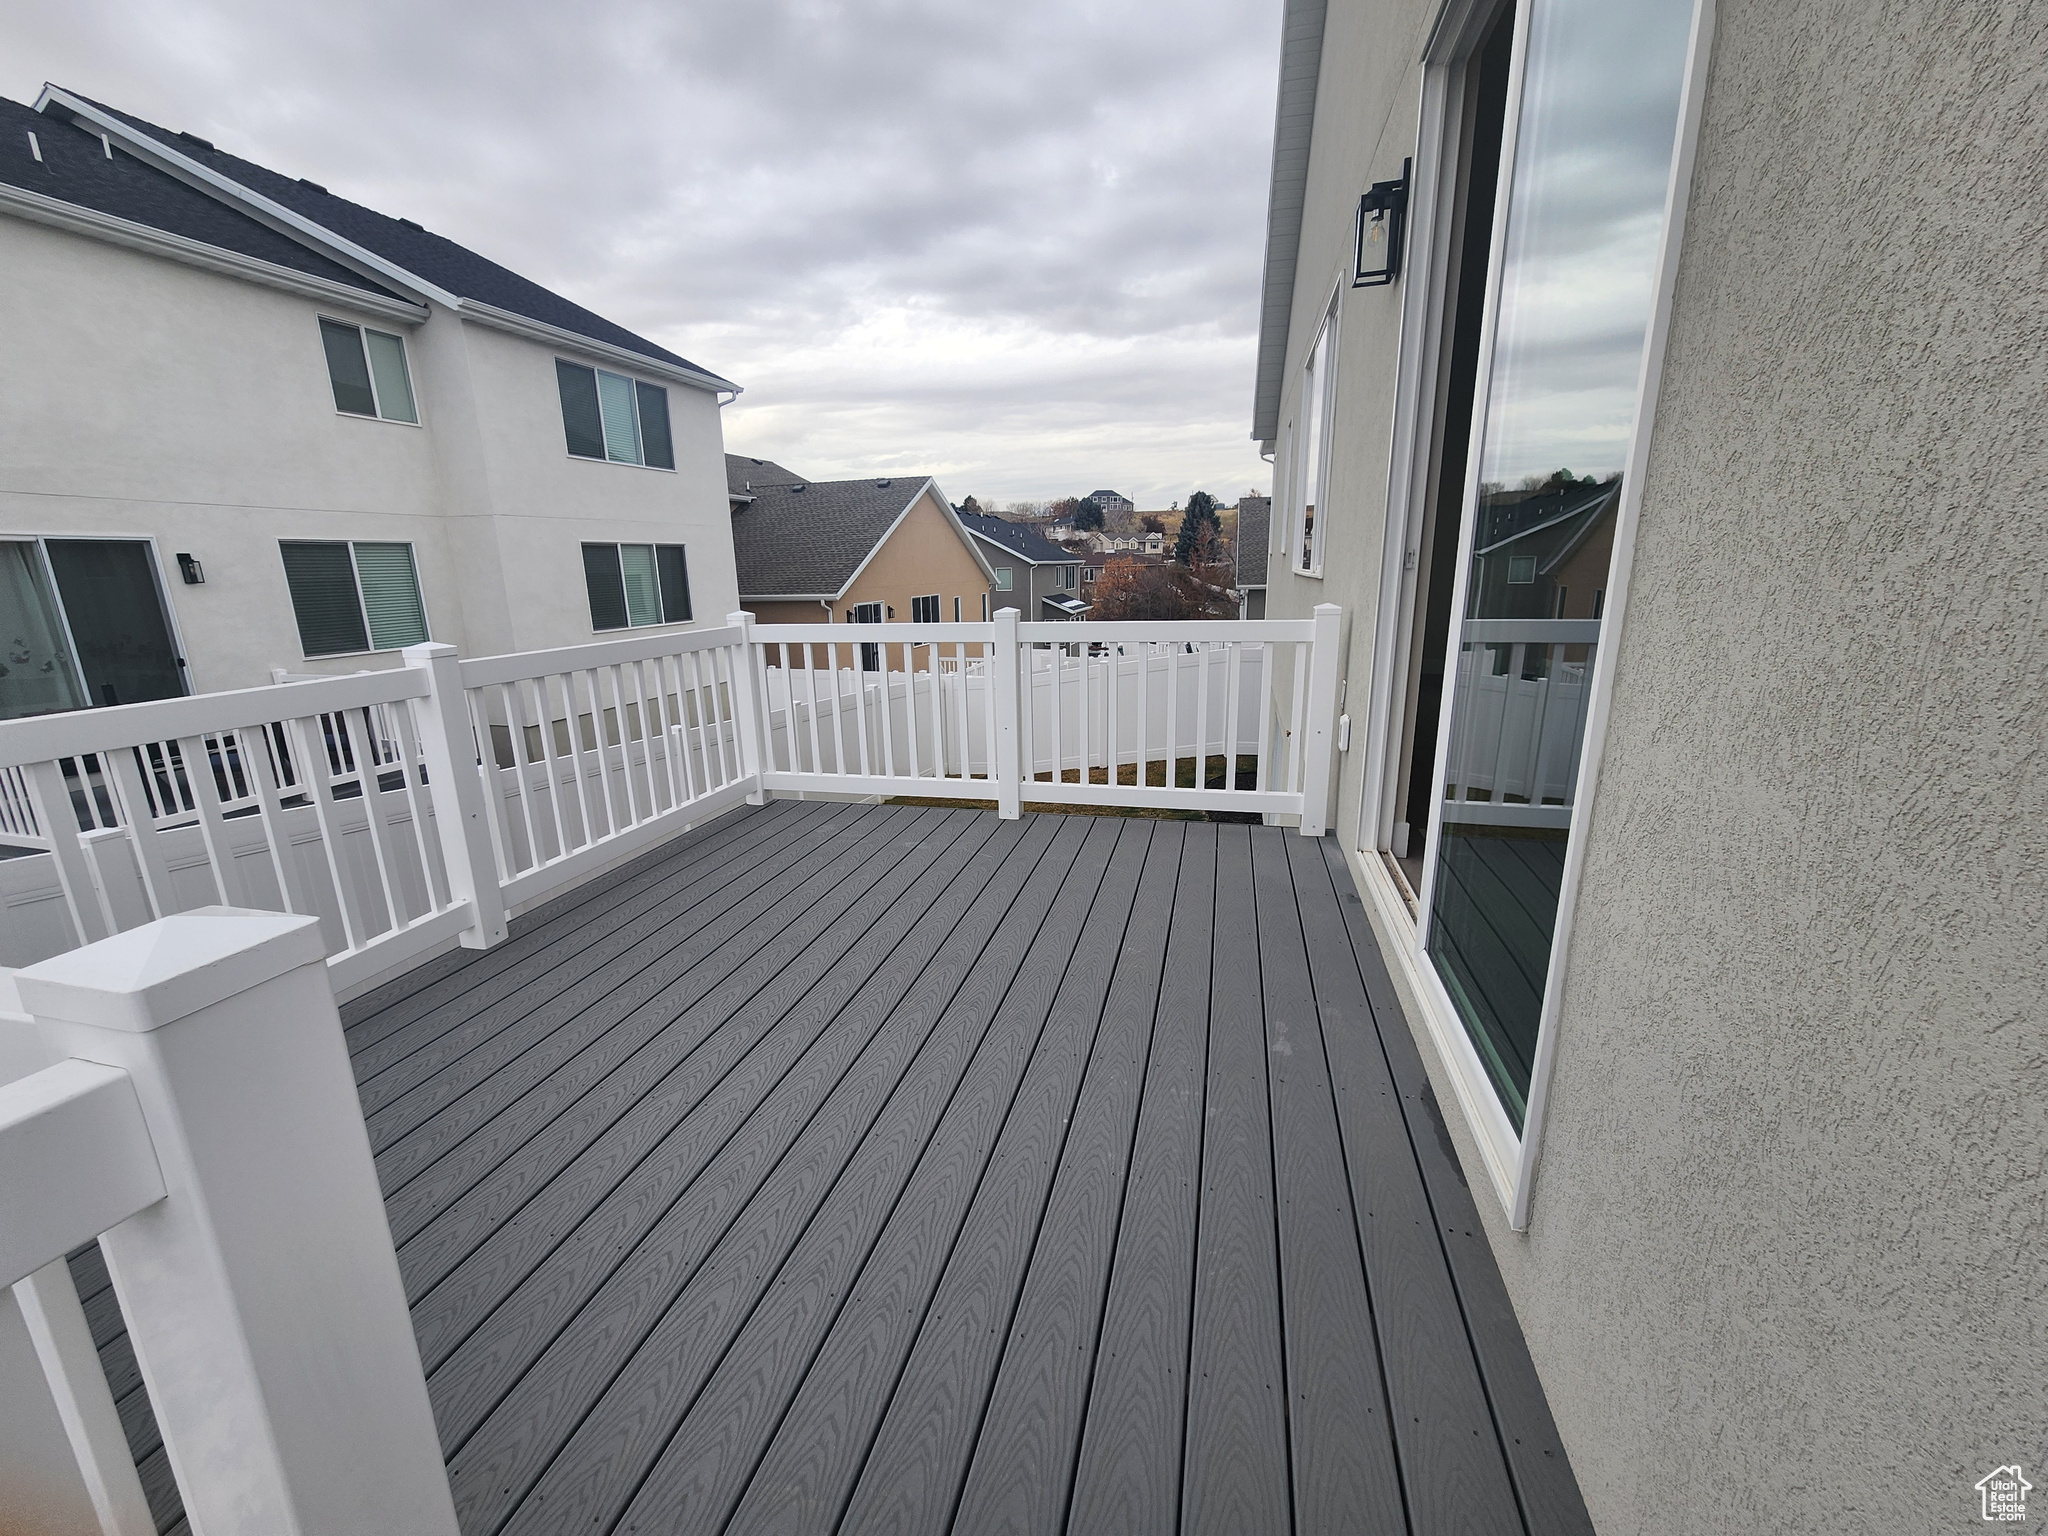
x: 1235, y: 1463
x: 838, y: 1169
x: 1547, y: 1492
x: 1343, y: 1465
x: 1031, y: 1430
x: 1128, y: 1475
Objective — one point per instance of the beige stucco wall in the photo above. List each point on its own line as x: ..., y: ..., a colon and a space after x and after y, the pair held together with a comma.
x: 927, y: 553
x: 1783, y: 1271
x: 145, y: 398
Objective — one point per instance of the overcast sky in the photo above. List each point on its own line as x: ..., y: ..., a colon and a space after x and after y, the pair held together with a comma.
x: 1017, y: 246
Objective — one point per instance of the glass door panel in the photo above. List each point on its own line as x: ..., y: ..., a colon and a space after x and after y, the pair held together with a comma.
x: 1584, y: 207
x: 38, y: 674
x: 116, y: 615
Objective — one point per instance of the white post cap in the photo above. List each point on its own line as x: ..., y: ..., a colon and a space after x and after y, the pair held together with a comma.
x: 164, y: 971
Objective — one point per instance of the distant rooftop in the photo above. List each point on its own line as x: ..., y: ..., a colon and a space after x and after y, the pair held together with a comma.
x: 1019, y: 539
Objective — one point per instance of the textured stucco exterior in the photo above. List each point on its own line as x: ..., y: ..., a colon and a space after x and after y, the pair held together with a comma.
x: 151, y: 399
x: 1783, y: 1269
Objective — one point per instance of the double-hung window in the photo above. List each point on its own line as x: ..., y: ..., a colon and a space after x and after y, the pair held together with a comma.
x: 352, y: 597
x: 632, y: 585
x: 368, y: 373
x: 609, y: 416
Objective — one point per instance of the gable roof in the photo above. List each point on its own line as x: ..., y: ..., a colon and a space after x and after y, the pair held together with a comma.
x: 397, y: 250
x: 1016, y: 539
x: 810, y: 539
x: 79, y: 172
x: 1254, y: 525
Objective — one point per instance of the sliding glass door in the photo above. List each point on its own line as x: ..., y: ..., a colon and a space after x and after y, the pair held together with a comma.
x: 1578, y: 221
x: 82, y: 622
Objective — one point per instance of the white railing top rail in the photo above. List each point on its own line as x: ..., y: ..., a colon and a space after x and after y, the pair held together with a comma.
x: 1232, y: 631
x: 895, y: 634
x: 521, y: 666
x: 42, y: 738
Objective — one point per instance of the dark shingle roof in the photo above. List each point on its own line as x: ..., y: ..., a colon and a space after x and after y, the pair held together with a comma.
x: 1254, y: 522
x: 430, y: 257
x: 747, y: 477
x: 808, y: 539
x: 75, y: 169
x: 1019, y: 540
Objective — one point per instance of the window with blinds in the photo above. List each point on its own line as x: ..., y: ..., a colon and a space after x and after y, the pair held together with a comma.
x: 633, y: 585
x: 352, y: 597
x: 367, y: 371
x: 609, y: 416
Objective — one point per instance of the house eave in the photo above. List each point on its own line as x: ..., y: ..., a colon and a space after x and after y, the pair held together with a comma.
x: 1301, y: 59
x: 92, y: 224
x: 315, y: 236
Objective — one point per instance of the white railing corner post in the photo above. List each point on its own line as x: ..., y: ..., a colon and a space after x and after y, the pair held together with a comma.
x: 1319, y: 730
x: 456, y: 786
x: 262, y: 1292
x: 750, y: 716
x: 1003, y: 706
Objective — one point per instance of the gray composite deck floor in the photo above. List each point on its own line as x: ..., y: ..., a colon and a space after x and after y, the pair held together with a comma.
x: 890, y: 1168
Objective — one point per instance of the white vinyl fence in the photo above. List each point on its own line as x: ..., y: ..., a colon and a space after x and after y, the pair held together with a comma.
x: 418, y: 806
x: 1520, y: 721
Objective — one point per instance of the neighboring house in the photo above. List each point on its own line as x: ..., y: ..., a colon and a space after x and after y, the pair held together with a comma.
x: 886, y: 550
x: 257, y: 426
x: 1110, y: 502
x: 1696, y: 800
x: 1042, y: 579
x: 1254, y: 516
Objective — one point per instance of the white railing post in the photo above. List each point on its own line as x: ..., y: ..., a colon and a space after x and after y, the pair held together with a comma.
x: 62, y: 1339
x: 749, y: 716
x: 456, y: 786
x: 1003, y: 707
x: 1319, y: 729
x: 262, y: 1292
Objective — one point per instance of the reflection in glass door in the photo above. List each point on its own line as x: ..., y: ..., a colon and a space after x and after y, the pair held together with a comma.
x: 1584, y: 203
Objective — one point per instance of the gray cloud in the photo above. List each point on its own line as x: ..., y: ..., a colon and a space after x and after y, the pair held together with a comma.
x: 1017, y: 245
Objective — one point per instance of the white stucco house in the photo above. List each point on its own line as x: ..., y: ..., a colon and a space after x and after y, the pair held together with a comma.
x: 256, y: 427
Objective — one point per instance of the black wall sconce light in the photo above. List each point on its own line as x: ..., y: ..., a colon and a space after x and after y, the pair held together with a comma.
x: 1382, y: 220
x: 193, y: 572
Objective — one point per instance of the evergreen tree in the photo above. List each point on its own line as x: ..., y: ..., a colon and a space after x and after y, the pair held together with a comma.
x: 1200, y: 515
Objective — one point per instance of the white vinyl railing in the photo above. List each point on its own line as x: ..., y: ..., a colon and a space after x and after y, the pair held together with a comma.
x: 418, y: 806
x: 1200, y: 716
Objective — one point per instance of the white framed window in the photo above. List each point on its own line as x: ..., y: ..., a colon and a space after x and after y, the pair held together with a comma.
x: 984, y: 607
x: 634, y: 585
x: 924, y: 610
x: 956, y: 610
x: 1003, y: 578
x: 367, y: 372
x: 609, y: 416
x: 1318, y: 400
x: 351, y: 597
